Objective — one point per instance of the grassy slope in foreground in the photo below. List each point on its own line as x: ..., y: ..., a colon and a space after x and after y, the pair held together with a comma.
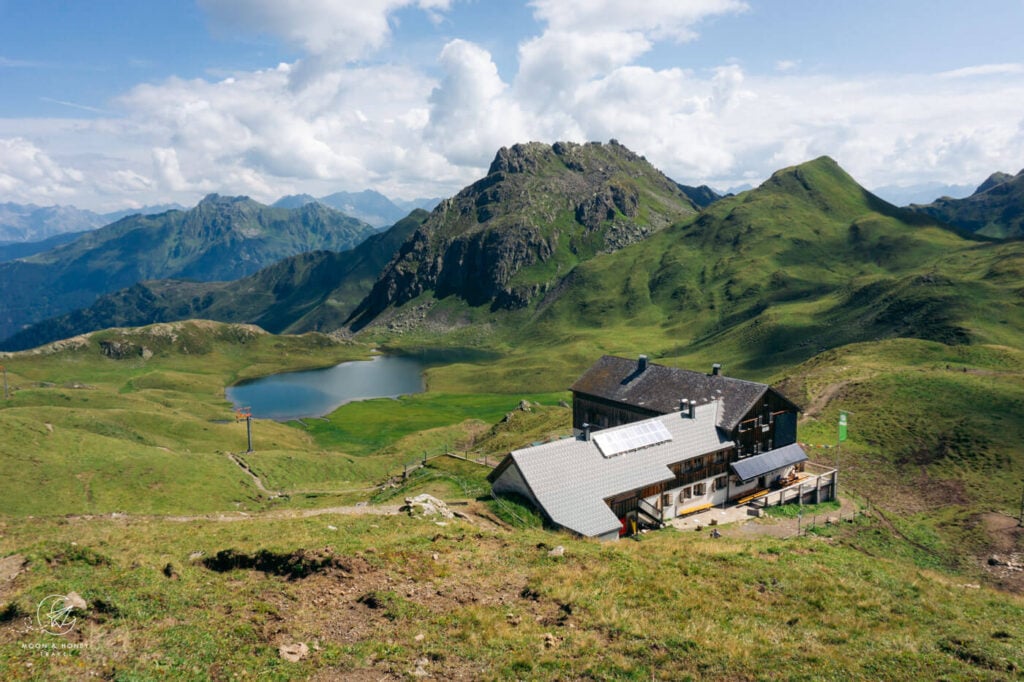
x: 380, y: 597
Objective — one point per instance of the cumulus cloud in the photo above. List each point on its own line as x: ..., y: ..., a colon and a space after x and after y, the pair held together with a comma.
x: 471, y: 114
x: 428, y: 131
x: 343, y: 30
x: 588, y: 39
x: 984, y: 70
x: 659, y: 19
x: 27, y: 172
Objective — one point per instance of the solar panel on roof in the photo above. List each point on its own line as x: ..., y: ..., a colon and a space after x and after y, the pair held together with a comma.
x: 632, y: 437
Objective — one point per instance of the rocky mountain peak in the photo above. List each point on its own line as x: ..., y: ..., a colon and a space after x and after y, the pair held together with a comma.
x: 541, y: 209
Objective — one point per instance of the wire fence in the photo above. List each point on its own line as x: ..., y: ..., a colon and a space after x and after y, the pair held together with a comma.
x: 812, y: 523
x: 413, y: 472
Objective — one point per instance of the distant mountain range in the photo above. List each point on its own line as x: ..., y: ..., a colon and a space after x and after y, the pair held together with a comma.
x: 540, y: 210
x: 16, y: 250
x: 904, y: 195
x: 31, y: 223
x: 310, y: 291
x: 592, y: 233
x: 222, y: 238
x: 995, y: 209
x: 369, y: 206
x: 23, y: 223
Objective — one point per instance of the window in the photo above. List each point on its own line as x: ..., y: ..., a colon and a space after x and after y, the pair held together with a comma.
x: 698, y: 489
x: 720, y: 483
x: 685, y: 494
x: 666, y: 500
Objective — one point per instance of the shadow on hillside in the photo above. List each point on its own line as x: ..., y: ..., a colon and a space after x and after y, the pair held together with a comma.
x: 298, y: 564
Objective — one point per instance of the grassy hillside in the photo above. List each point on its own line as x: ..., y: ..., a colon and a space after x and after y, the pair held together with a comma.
x: 807, y: 261
x: 311, y: 291
x: 376, y: 597
x: 222, y: 238
x: 891, y: 595
x: 765, y: 280
x: 136, y: 421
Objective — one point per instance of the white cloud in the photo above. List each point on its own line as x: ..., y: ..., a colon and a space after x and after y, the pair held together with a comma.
x: 168, y: 170
x: 588, y: 39
x: 342, y: 30
x: 408, y: 132
x: 553, y: 65
x: 984, y: 70
x: 471, y: 115
x: 30, y: 174
x: 657, y: 19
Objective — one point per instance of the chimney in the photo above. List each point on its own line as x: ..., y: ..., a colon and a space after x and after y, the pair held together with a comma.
x: 716, y: 369
x: 641, y: 364
x: 586, y: 431
x: 687, y: 408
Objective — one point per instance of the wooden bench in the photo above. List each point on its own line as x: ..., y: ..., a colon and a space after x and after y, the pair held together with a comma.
x: 753, y: 496
x: 694, y: 510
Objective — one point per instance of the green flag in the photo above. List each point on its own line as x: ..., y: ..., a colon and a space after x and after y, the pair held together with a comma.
x: 842, y: 426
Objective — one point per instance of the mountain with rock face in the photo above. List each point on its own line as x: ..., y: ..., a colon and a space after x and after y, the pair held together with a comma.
x: 512, y: 235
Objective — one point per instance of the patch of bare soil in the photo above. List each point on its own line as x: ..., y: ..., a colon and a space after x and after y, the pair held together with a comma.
x: 829, y: 393
x: 394, y: 599
x: 1003, y: 558
x: 10, y: 568
x: 908, y: 494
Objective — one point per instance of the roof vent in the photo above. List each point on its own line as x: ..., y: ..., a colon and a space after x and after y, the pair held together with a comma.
x: 641, y: 364
x: 716, y: 369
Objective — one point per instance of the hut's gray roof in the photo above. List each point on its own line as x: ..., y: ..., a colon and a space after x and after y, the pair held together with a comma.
x: 571, y: 478
x: 750, y: 468
x: 659, y: 388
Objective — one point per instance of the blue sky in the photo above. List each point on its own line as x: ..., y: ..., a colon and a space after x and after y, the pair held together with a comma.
x: 114, y: 103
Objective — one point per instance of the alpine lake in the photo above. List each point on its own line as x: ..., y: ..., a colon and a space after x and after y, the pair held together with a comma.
x: 317, y: 392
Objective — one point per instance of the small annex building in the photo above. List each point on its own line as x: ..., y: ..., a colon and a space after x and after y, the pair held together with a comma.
x: 641, y: 457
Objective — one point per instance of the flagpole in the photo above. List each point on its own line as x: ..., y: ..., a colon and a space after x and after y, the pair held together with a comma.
x: 841, y: 436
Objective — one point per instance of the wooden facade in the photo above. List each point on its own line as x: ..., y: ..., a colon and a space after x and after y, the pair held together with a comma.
x: 766, y: 426
x: 601, y: 413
